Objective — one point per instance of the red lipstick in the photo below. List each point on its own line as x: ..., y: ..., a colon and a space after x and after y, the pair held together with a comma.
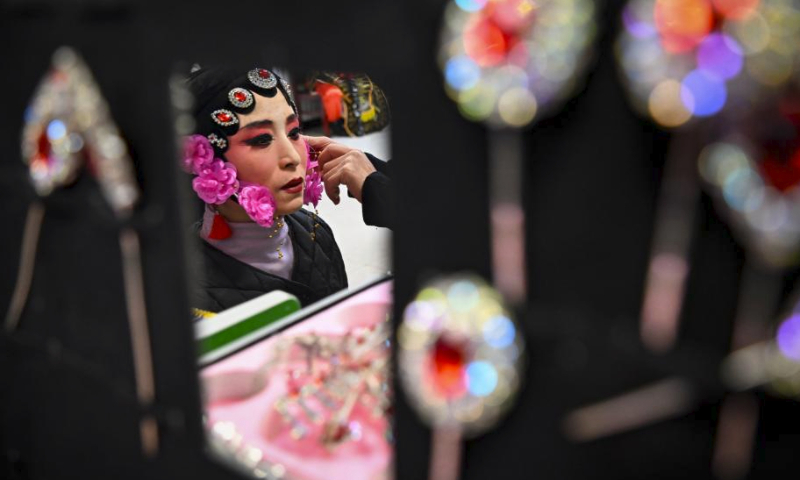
x: 295, y: 185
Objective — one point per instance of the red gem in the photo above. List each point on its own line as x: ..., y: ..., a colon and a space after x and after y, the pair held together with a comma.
x: 263, y: 73
x: 781, y: 175
x: 224, y: 117
x: 448, y: 362
x: 43, y: 148
x: 240, y: 96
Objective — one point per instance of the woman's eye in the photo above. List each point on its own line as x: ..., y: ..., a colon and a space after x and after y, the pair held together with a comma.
x: 260, y: 141
x: 295, y: 133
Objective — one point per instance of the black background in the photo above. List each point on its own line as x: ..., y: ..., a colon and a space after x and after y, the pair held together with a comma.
x: 590, y: 184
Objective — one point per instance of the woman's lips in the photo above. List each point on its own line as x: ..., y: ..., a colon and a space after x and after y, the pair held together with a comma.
x: 293, y: 186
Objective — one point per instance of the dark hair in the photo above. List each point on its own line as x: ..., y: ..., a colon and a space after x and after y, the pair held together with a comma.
x: 213, y: 89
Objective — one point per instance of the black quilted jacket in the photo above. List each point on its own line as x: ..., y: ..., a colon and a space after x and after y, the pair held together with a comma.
x: 318, y: 270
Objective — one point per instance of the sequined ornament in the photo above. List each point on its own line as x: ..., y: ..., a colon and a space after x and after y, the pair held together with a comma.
x: 67, y: 125
x: 460, y: 354
x: 262, y: 78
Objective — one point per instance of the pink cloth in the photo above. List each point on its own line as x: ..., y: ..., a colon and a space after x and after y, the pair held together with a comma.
x: 250, y: 405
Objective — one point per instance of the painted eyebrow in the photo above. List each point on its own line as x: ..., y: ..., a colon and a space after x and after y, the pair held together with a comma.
x: 268, y: 123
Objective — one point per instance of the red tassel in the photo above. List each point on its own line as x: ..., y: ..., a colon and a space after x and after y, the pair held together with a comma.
x: 220, y: 230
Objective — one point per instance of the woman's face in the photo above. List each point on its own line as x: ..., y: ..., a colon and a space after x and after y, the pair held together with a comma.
x: 268, y: 150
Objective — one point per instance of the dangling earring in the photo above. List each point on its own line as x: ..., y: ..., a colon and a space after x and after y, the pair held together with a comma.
x: 220, y: 230
x: 313, y: 191
x: 314, y: 218
x: 278, y: 226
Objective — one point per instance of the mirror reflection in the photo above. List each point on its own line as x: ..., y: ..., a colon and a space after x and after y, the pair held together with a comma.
x: 255, y: 169
x: 293, y: 291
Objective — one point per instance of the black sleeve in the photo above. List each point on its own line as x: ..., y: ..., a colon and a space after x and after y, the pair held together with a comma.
x: 336, y: 257
x: 380, y: 165
x: 377, y: 195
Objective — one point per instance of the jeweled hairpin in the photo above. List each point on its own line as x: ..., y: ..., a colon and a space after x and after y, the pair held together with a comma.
x: 262, y: 78
x: 240, y: 98
x: 341, y: 373
x: 505, y: 64
x: 224, y: 118
x: 680, y: 74
x: 459, y: 362
x: 219, y: 142
x: 68, y: 125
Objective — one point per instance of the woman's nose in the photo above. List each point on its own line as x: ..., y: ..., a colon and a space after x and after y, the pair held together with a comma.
x: 288, y: 155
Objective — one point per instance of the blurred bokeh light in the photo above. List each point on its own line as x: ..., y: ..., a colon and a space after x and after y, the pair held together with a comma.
x: 508, y: 62
x: 725, y: 54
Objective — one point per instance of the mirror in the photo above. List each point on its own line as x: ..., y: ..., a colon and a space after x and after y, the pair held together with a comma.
x: 291, y: 182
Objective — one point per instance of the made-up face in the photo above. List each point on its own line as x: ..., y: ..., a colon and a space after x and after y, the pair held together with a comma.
x: 268, y: 150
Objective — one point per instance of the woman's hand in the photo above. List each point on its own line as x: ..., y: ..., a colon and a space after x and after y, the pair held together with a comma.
x: 341, y: 165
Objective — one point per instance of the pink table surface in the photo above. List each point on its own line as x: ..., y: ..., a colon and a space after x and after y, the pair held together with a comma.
x: 367, y: 458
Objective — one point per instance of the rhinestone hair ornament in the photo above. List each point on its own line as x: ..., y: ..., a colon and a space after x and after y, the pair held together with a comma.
x: 224, y: 118
x: 217, y: 141
x: 262, y: 78
x: 240, y: 97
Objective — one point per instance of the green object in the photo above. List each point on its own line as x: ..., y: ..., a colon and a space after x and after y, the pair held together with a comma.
x: 247, y: 326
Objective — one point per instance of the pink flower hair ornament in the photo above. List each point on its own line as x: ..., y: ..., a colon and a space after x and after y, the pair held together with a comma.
x: 216, y: 182
x: 259, y: 204
x: 197, y: 152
